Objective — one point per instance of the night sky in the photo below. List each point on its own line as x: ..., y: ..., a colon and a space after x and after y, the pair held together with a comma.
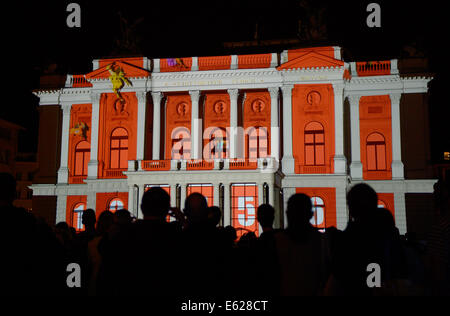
x: 37, y: 40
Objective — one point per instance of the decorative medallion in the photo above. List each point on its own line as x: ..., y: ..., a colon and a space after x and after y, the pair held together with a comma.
x: 258, y: 105
x: 182, y: 108
x: 120, y: 107
x: 220, y: 107
x: 313, y: 98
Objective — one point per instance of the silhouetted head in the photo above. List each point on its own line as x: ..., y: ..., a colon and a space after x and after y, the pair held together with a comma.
x: 155, y: 203
x: 441, y: 196
x: 105, y: 221
x: 196, y: 208
x: 214, y: 215
x: 266, y: 215
x: 122, y: 217
x: 230, y: 232
x: 299, y: 210
x: 361, y: 200
x: 7, y: 188
x: 89, y: 219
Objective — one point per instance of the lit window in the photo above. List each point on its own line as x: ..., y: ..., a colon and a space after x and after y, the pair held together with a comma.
x: 257, y: 143
x: 446, y: 155
x: 82, y: 156
x: 314, y: 144
x: 376, y: 152
x: 115, y: 204
x: 119, y: 149
x: 77, y: 216
x: 318, y: 208
x: 381, y: 204
x: 204, y: 189
x: 244, y: 202
x: 166, y: 188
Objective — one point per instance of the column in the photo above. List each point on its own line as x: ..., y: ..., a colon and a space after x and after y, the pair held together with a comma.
x: 140, y: 215
x: 173, y: 195
x: 397, y: 164
x: 259, y: 202
x: 226, y: 205
x: 216, y: 194
x: 400, y: 212
x: 356, y: 169
x: 156, y: 125
x: 91, y: 199
x: 63, y: 172
x: 196, y: 141
x: 182, y: 194
x: 93, y: 162
x: 287, y: 193
x: 233, y: 93
x: 142, y: 104
x: 61, y: 204
x: 274, y: 125
x: 132, y: 201
x: 288, y: 163
x: 341, y: 207
x: 339, y: 159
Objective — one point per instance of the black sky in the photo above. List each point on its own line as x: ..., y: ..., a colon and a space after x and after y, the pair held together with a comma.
x: 36, y: 36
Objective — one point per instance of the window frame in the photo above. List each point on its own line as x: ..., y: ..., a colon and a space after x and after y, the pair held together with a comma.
x: 119, y: 149
x: 315, y: 144
x: 375, y: 145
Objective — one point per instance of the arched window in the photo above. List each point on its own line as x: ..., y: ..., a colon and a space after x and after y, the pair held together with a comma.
x: 77, y: 216
x: 376, y: 152
x: 115, y: 204
x: 257, y: 142
x: 119, y: 149
x: 318, y: 208
x: 381, y: 204
x: 314, y: 144
x: 82, y: 156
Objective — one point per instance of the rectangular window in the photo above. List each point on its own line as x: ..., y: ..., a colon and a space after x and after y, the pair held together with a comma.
x: 205, y: 189
x: 244, y: 202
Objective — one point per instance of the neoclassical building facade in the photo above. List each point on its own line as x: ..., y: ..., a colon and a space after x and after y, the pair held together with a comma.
x: 241, y: 129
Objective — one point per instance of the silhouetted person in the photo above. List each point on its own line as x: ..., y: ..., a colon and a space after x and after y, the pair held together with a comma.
x: 370, y: 237
x: 88, y: 219
x: 214, y: 215
x: 230, y: 235
x: 301, y: 251
x: 143, y: 259
x: 438, y: 247
x: 32, y: 256
x: 104, y: 225
x: 266, y: 216
x: 206, y: 254
x: 267, y: 260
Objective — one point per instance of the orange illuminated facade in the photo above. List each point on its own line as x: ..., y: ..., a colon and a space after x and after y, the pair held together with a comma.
x: 240, y: 129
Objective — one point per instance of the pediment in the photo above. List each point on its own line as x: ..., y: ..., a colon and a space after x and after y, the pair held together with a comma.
x: 129, y: 70
x: 311, y: 60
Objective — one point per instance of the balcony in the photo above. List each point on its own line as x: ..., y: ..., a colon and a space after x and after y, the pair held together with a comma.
x: 114, y: 173
x: 155, y: 165
x: 373, y: 68
x: 243, y: 164
x: 77, y: 179
x: 199, y: 165
x: 77, y: 81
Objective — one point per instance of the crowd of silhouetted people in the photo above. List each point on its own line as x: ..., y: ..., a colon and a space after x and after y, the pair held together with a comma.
x: 193, y: 255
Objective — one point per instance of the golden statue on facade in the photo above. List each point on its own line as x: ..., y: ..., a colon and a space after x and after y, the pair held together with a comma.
x: 118, y: 79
